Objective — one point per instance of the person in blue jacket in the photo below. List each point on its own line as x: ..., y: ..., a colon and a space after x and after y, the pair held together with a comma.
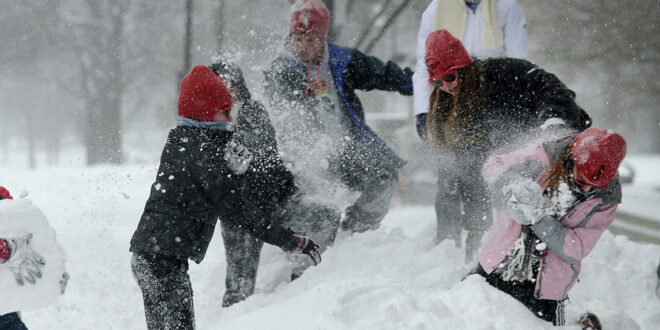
x: 321, y: 130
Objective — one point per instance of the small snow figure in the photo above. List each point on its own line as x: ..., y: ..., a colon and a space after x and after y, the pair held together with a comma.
x: 540, y: 271
x: 178, y: 223
x: 29, y: 252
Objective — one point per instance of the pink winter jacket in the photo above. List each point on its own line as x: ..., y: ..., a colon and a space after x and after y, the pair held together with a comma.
x: 569, y: 238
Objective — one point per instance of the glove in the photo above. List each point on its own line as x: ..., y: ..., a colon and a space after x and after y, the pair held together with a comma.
x: 234, y: 75
x: 237, y: 157
x: 305, y: 245
x: 525, y: 201
x: 23, y: 262
x: 421, y: 125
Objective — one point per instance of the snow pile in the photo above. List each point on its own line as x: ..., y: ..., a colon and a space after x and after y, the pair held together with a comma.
x: 17, y: 219
x: 392, y: 278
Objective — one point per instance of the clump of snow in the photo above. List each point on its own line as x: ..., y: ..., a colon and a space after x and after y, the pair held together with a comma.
x: 560, y: 201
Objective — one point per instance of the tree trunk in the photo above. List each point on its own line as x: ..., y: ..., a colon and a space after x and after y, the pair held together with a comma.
x: 104, y: 135
x: 221, y: 24
x: 187, y: 45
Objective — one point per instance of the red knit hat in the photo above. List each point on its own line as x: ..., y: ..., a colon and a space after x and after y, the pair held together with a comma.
x: 4, y: 247
x: 4, y: 193
x: 444, y: 53
x: 202, y: 94
x: 310, y: 16
x: 597, y: 154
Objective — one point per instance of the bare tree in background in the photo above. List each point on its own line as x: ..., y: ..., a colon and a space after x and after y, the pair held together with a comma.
x: 220, y: 24
x: 391, y: 17
x: 377, y: 25
x: 614, y: 44
x: 30, y: 103
x: 99, y: 49
x: 187, y: 44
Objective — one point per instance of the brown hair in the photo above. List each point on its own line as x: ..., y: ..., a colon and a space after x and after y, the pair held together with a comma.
x: 451, y: 116
x: 559, y: 171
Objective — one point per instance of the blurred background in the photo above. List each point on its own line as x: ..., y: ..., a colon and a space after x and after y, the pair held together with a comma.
x: 88, y: 82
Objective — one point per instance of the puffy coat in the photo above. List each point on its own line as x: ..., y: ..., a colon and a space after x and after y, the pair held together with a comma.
x: 194, y: 187
x: 351, y: 70
x: 569, y: 238
x: 516, y: 97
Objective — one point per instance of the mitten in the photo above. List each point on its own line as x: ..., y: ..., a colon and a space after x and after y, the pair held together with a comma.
x: 525, y: 201
x: 234, y: 75
x: 237, y: 157
x: 305, y: 245
x: 23, y: 262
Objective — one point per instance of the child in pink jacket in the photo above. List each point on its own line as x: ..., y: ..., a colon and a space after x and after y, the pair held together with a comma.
x: 556, y: 198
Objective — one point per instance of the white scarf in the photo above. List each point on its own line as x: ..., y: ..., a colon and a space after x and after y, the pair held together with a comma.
x: 451, y: 15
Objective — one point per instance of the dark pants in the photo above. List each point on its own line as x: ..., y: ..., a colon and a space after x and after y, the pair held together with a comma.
x: 548, y: 310
x: 11, y: 321
x: 242, y: 251
x: 363, y: 170
x: 462, y: 202
x: 166, y: 290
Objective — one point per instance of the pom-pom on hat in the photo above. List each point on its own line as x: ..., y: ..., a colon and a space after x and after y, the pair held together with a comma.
x: 444, y: 53
x: 597, y: 154
x: 310, y: 16
x: 202, y: 94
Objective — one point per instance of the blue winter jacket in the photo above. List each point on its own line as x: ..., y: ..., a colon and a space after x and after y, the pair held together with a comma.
x: 351, y: 70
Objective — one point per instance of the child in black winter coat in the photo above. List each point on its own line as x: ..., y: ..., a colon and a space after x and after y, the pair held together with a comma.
x: 204, y: 174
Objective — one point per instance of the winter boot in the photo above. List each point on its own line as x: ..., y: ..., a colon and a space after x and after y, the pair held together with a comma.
x: 589, y: 321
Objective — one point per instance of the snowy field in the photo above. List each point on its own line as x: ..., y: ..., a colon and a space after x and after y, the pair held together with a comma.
x: 393, y: 278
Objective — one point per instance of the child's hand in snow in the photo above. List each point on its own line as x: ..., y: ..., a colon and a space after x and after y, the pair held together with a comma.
x: 305, y: 246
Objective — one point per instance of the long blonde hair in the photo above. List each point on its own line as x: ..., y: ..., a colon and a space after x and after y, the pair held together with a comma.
x: 451, y: 116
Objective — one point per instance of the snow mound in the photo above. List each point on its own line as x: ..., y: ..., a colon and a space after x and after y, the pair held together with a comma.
x: 18, y: 218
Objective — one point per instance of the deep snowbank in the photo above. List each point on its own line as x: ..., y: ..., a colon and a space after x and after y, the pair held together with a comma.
x: 393, y: 278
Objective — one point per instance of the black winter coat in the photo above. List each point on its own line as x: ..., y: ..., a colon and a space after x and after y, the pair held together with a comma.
x: 517, y: 96
x: 194, y: 187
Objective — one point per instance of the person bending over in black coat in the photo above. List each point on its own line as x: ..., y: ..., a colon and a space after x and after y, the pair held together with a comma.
x: 204, y: 173
x: 478, y: 106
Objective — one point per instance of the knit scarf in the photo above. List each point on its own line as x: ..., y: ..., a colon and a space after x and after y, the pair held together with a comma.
x: 217, y: 125
x: 451, y: 15
x: 523, y: 259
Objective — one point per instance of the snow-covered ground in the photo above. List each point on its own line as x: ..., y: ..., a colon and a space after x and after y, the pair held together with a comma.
x: 392, y: 278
